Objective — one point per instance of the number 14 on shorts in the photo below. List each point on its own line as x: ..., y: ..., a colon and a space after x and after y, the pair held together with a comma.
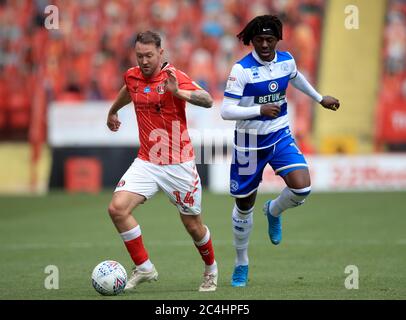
x: 187, y: 200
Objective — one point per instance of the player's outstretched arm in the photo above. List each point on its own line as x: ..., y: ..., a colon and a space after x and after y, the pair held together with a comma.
x: 197, y: 97
x: 123, y: 98
x: 301, y: 83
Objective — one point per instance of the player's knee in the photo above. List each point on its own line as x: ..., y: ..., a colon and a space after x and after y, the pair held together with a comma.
x: 245, y: 204
x: 117, y: 212
x: 299, y: 195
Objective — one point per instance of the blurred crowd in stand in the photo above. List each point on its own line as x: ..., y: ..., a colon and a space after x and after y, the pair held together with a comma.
x: 86, y: 57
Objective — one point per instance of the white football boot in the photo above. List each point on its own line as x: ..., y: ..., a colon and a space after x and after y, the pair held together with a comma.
x: 209, y: 282
x: 138, y: 276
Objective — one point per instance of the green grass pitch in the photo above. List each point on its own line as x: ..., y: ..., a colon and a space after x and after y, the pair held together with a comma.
x: 321, y: 238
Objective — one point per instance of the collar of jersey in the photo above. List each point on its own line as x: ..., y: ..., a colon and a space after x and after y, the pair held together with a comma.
x: 265, y: 63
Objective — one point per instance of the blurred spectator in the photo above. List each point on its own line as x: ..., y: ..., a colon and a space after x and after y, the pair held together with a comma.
x: 395, y: 39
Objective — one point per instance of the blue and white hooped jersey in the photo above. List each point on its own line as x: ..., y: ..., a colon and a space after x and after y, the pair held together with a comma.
x: 254, y: 82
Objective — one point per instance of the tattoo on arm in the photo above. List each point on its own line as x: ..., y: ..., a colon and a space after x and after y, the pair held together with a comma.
x: 201, y: 98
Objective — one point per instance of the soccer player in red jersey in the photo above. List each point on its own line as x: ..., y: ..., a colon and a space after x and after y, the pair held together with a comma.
x: 165, y: 159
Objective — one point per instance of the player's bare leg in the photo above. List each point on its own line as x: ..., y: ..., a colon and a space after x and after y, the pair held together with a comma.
x: 246, y: 203
x: 242, y: 222
x: 202, y: 239
x: 298, y: 188
x: 298, y: 179
x: 120, y: 210
x: 121, y: 207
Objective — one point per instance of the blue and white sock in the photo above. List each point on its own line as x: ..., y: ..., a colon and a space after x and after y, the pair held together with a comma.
x: 289, y: 198
x: 242, y: 222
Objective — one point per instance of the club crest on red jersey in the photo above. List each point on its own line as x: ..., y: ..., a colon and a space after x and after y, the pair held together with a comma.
x: 160, y: 88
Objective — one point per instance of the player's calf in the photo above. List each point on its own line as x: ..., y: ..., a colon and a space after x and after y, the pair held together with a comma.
x: 242, y: 223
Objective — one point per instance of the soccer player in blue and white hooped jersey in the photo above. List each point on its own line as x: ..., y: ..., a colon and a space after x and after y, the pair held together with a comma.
x: 255, y: 97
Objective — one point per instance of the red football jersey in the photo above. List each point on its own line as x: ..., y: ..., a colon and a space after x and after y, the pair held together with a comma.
x: 161, y: 117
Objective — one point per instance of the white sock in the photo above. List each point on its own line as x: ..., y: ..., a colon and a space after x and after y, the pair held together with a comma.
x: 205, y: 239
x: 288, y: 199
x: 145, y: 266
x: 241, y: 258
x: 242, y: 222
x: 131, y: 234
x: 211, y: 268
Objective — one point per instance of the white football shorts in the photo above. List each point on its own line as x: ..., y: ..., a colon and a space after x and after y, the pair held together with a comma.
x: 180, y: 182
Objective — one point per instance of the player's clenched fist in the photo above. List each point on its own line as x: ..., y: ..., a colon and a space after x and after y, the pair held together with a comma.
x: 112, y: 122
x: 270, y: 110
x: 331, y: 103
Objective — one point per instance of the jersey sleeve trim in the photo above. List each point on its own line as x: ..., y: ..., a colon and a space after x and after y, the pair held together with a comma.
x: 294, y: 76
x: 233, y: 96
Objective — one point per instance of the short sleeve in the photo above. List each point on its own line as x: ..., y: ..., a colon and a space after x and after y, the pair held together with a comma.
x: 293, y: 68
x: 128, y: 79
x: 235, y: 83
x: 185, y: 83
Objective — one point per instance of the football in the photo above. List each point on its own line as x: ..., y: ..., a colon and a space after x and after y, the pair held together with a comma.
x: 109, y: 278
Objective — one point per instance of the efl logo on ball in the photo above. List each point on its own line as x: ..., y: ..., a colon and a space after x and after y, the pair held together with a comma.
x: 109, y: 278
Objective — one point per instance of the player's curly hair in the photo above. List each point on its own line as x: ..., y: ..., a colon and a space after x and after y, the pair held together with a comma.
x: 256, y: 26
